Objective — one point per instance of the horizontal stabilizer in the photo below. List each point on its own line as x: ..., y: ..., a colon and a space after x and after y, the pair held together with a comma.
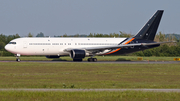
x: 146, y: 44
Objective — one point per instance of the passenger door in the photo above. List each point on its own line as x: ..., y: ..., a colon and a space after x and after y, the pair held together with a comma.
x: 25, y: 44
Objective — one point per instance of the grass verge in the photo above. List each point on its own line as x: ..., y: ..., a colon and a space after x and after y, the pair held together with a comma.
x: 87, y: 75
x: 88, y: 96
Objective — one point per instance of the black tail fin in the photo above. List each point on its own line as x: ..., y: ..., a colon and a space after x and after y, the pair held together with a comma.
x: 149, y: 30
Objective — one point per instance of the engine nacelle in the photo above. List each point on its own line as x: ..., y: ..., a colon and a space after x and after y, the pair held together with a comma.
x: 52, y: 56
x: 77, y: 54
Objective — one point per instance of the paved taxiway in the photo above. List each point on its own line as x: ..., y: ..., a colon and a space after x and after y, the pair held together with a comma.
x: 111, y: 62
x: 86, y: 90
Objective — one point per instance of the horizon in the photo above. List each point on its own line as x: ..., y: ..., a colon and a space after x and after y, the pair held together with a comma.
x: 85, y: 35
x: 57, y: 17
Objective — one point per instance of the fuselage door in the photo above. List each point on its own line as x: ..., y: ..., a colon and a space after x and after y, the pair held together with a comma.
x: 25, y: 44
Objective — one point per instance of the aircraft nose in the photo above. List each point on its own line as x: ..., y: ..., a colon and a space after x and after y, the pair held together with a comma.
x: 10, y: 48
x: 7, y: 47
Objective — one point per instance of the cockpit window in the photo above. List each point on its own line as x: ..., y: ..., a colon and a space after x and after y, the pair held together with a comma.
x: 12, y: 43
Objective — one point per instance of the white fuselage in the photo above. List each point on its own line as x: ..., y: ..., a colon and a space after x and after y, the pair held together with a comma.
x: 56, y: 46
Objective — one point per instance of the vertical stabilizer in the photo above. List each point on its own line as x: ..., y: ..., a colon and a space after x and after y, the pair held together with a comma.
x: 149, y: 30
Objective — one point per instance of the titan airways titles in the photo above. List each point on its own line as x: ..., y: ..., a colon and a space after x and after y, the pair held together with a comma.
x: 79, y: 48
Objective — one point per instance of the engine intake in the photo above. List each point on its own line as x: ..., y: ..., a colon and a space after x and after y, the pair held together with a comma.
x: 77, y: 54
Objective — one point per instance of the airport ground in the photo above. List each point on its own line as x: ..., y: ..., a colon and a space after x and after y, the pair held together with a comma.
x: 89, y: 96
x: 73, y: 75
x: 100, y: 58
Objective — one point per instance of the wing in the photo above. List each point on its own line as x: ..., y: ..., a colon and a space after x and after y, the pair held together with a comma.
x: 101, y: 48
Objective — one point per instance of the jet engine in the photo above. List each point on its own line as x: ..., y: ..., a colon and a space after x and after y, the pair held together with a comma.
x: 77, y: 54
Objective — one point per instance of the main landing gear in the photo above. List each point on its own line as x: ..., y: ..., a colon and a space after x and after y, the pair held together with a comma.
x: 17, y: 57
x: 92, y: 59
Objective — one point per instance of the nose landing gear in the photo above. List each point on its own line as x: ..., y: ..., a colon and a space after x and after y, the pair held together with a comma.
x: 17, y: 57
x: 18, y: 60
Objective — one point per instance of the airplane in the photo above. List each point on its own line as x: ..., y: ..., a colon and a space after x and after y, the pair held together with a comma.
x: 79, y: 48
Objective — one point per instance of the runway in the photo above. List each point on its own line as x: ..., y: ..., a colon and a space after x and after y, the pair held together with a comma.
x: 109, y: 62
x: 87, y: 90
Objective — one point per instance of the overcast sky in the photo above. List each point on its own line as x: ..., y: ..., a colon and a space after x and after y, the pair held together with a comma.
x: 57, y: 17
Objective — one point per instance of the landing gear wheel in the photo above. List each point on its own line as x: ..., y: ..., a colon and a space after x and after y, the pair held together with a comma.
x: 18, y: 60
x: 17, y: 57
x: 92, y: 59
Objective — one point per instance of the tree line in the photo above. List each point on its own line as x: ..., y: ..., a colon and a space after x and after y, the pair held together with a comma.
x: 168, y: 49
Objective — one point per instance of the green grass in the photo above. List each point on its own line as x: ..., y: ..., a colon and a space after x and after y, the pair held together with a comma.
x: 100, y: 58
x: 88, y: 96
x: 88, y: 75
